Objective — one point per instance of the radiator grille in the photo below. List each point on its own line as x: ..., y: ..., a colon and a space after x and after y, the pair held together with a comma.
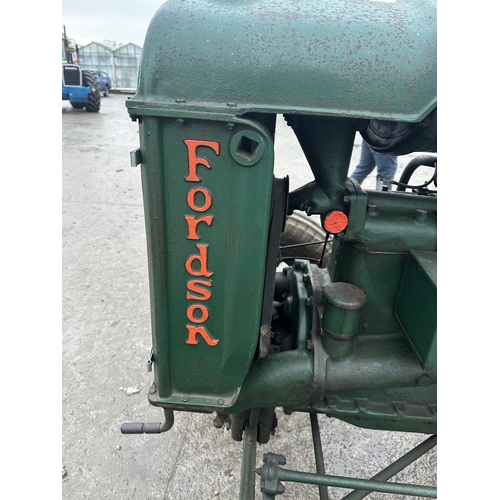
x: 72, y: 75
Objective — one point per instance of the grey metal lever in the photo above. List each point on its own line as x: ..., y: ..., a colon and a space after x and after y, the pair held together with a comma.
x: 150, y: 427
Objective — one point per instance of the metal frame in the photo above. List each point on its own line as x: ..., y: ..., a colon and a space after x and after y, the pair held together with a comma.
x: 272, y: 474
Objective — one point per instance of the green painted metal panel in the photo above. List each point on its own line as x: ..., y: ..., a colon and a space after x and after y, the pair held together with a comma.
x: 416, y: 308
x: 207, y: 204
x: 345, y: 58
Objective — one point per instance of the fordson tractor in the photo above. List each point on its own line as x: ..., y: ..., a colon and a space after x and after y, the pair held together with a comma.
x: 246, y: 317
x: 79, y: 87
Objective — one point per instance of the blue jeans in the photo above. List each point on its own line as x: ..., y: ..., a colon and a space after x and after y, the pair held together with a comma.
x: 386, y: 166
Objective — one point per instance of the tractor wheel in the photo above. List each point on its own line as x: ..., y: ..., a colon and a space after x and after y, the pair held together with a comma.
x: 90, y: 79
x: 77, y: 105
x: 301, y: 229
x: 105, y: 92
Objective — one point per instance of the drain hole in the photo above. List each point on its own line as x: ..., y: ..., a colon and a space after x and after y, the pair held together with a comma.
x: 247, y: 148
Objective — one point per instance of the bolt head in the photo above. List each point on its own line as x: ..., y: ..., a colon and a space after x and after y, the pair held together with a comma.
x: 420, y: 214
x: 218, y: 423
x: 424, y: 380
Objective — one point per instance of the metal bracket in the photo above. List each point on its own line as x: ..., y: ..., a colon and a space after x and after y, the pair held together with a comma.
x: 136, y: 157
x: 269, y: 481
x: 149, y: 362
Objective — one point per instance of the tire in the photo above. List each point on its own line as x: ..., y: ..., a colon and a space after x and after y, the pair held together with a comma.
x: 77, y: 105
x: 299, y: 229
x: 105, y: 92
x: 90, y: 79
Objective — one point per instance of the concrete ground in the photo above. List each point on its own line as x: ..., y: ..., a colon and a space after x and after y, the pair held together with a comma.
x: 106, y: 340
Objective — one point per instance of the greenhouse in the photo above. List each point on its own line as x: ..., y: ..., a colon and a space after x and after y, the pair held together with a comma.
x: 121, y: 64
x: 126, y: 65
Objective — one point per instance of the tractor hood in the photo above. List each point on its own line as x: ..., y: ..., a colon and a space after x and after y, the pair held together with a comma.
x: 372, y: 59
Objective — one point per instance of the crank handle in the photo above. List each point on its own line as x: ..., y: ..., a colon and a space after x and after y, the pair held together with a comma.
x: 150, y: 427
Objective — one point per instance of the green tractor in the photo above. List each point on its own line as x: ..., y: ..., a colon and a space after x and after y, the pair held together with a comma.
x: 245, y: 318
x: 79, y: 86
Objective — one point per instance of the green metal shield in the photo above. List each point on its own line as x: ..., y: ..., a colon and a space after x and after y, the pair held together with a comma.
x: 207, y: 194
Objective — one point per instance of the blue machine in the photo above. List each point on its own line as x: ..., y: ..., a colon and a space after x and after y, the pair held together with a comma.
x: 80, y: 87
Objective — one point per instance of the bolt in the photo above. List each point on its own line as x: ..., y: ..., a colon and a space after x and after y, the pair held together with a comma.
x: 308, y: 302
x: 346, y: 199
x: 230, y: 125
x: 305, y: 207
x: 185, y: 399
x: 180, y: 101
x: 180, y: 121
x: 152, y: 389
x: 305, y: 278
x: 420, y: 214
x: 424, y: 380
x: 372, y: 209
x: 220, y: 401
x: 218, y: 422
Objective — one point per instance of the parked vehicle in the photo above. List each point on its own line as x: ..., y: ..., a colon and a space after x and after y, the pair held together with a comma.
x: 79, y: 87
x: 105, y: 82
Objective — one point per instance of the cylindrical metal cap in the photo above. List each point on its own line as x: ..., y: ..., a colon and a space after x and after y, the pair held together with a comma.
x: 344, y: 295
x: 342, y: 308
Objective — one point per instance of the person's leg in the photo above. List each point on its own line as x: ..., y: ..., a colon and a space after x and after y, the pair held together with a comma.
x: 366, y: 164
x: 386, y: 168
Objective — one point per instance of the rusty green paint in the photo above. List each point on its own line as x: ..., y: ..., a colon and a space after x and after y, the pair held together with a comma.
x: 363, y: 59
